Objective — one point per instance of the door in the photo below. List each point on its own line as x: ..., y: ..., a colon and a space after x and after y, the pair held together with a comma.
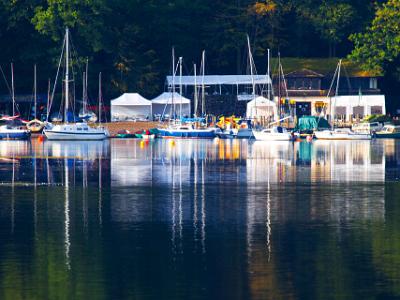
x: 303, y: 109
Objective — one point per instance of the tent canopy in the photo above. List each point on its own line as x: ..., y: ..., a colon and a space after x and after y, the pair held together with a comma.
x: 261, y: 101
x: 166, y: 105
x: 130, y: 106
x: 130, y: 99
x: 219, y: 80
x: 166, y: 98
x: 261, y: 107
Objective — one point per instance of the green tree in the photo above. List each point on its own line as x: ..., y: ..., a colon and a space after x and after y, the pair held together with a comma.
x: 379, y: 45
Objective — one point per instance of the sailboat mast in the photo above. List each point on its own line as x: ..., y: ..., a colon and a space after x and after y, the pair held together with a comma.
x: 86, y: 86
x: 279, y: 85
x: 100, y: 98
x: 195, y: 92
x: 48, y: 100
x: 34, y: 92
x: 252, y: 72
x: 203, y: 92
x: 336, y: 93
x: 173, y: 82
x: 84, y: 92
x: 180, y: 87
x: 269, y: 78
x: 66, y: 75
x: 12, y: 89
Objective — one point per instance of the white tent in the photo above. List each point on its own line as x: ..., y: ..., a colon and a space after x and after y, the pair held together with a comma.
x: 164, y: 103
x: 261, y: 107
x: 130, y: 106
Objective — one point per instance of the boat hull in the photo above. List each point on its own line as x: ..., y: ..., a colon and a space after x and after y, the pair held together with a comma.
x: 148, y: 136
x: 75, y: 132
x: 387, y: 135
x: 73, y: 136
x: 261, y: 136
x: 15, y: 135
x: 197, y: 134
x: 332, y: 135
x: 241, y: 134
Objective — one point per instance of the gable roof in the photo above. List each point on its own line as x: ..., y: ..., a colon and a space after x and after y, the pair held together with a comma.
x: 130, y: 99
x: 166, y: 98
x: 323, y: 66
x: 304, y: 73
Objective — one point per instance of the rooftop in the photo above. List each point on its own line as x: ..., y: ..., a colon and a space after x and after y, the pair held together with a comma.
x: 322, y: 66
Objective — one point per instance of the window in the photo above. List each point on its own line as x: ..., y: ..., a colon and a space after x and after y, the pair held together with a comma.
x: 373, y: 83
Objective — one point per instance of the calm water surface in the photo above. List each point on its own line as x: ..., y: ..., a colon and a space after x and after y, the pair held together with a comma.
x: 199, y: 220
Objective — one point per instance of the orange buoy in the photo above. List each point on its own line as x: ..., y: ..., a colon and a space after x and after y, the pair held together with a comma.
x: 309, y: 138
x: 41, y: 138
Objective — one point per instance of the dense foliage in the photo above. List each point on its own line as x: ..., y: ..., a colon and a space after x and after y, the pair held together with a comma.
x: 131, y: 41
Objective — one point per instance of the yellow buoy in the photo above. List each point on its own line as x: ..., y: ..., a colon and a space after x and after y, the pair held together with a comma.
x: 172, y: 142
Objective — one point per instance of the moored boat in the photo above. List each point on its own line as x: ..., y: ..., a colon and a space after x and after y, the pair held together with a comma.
x: 186, y: 131
x: 73, y: 130
x: 341, y: 134
x: 125, y: 134
x: 388, y: 132
x: 276, y: 133
x: 35, y: 126
x: 8, y: 132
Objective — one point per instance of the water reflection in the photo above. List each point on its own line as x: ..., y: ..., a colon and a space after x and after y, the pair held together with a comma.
x: 269, y: 220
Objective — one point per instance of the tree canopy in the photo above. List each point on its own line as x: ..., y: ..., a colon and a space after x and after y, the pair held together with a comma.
x: 131, y: 41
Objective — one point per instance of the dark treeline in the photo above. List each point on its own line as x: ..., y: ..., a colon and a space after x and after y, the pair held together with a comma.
x: 131, y: 41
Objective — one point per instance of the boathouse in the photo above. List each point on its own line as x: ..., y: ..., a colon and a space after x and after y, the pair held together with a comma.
x: 307, y: 90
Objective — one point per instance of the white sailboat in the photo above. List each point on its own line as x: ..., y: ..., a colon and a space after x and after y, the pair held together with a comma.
x: 67, y: 130
x: 35, y: 125
x: 86, y: 114
x: 339, y: 133
x: 273, y: 133
x: 13, y: 129
x: 180, y: 129
x: 243, y: 130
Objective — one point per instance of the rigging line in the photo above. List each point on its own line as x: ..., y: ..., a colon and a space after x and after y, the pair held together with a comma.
x: 329, y: 91
x: 5, y: 80
x: 80, y: 68
x: 347, y: 78
x: 55, y: 82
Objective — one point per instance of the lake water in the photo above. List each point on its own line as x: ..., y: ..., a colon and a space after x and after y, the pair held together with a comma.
x: 194, y: 219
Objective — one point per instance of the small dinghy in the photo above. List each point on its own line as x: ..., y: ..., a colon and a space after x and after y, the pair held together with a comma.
x: 35, y: 126
x: 125, y: 134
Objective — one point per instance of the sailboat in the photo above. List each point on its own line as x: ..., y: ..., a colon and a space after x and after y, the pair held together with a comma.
x: 243, y: 128
x: 72, y: 130
x: 35, y: 125
x: 339, y: 133
x: 274, y: 133
x: 85, y: 114
x: 14, y: 128
x: 180, y: 129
